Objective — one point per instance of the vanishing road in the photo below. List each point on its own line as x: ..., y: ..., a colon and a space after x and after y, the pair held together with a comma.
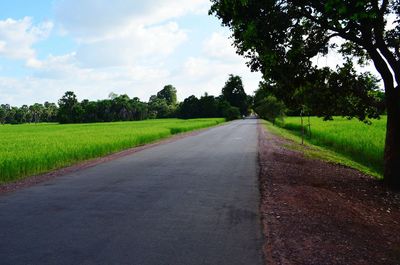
x: 191, y: 201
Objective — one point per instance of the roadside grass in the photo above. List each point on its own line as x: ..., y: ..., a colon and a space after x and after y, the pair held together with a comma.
x: 32, y: 149
x: 347, y: 142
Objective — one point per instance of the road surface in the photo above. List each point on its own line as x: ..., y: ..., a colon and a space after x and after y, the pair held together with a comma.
x: 192, y: 201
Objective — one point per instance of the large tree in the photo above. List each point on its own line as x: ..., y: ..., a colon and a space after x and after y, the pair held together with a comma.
x: 234, y: 93
x: 278, y: 36
x: 50, y: 112
x: 270, y: 108
x: 70, y: 111
x: 164, y: 104
x: 169, y: 94
x: 36, y: 111
x: 189, y: 108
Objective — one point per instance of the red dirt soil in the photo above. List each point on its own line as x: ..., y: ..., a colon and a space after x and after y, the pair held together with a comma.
x: 314, y: 212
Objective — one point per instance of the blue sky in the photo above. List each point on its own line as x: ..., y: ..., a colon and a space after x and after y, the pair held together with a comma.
x: 94, y: 47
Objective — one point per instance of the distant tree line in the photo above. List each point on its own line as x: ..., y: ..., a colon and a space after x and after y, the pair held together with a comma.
x: 231, y: 104
x: 46, y: 112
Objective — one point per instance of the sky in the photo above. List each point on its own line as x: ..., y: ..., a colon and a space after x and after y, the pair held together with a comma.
x: 133, y: 47
x: 95, y: 47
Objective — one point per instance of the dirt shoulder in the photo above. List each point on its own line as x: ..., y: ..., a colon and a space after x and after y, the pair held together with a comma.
x: 315, y: 212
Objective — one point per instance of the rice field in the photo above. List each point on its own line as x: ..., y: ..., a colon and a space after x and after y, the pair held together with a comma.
x: 353, y: 139
x: 31, y: 149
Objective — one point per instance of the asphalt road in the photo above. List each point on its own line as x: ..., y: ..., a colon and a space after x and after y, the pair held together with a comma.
x: 192, y: 201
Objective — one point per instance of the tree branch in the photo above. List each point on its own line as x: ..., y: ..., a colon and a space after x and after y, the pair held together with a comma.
x: 378, y: 31
x: 384, y: 6
x: 339, y: 31
x: 382, y: 68
x: 394, y: 64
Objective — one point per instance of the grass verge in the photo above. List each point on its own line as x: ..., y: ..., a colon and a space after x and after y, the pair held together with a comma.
x: 319, y: 152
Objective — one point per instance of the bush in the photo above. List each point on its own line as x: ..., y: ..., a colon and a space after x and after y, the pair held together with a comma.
x: 232, y: 113
x: 270, y: 109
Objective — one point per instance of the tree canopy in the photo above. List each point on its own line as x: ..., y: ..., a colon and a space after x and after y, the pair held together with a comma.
x: 69, y: 108
x: 234, y: 93
x: 169, y: 94
x: 280, y: 37
x: 270, y: 108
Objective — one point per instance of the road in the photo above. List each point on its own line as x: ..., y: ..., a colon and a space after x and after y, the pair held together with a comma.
x: 192, y: 201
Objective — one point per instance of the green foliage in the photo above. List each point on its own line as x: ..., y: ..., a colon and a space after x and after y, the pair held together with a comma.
x: 169, y: 94
x: 164, y: 104
x: 208, y: 106
x: 232, y: 104
x: 270, y: 108
x: 342, y: 92
x: 36, y: 148
x: 279, y: 37
x: 34, y: 113
x: 69, y: 108
x: 116, y: 108
x: 159, y: 108
x: 232, y: 113
x: 351, y: 138
x: 234, y: 93
x: 3, y: 115
x: 205, y: 107
x: 189, y: 108
x: 49, y: 113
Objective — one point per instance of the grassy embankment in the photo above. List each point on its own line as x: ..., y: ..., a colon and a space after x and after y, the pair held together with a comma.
x: 31, y: 149
x: 349, y: 142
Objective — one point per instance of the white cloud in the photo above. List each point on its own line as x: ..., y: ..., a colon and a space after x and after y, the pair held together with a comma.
x: 68, y: 67
x: 92, y: 20
x: 55, y: 78
x: 219, y: 46
x: 209, y: 71
x: 119, y: 32
x: 208, y: 75
x: 18, y: 36
x: 57, y: 74
x: 28, y: 90
x: 128, y: 48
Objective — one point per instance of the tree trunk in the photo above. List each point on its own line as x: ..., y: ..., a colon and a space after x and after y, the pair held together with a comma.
x: 392, y: 144
x: 302, y: 127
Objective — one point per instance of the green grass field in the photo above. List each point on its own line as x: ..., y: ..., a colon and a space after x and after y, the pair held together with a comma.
x: 352, y: 139
x: 31, y: 149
